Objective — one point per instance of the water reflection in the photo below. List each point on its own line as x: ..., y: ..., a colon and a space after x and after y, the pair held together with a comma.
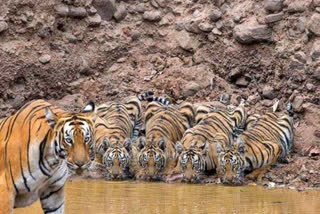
x: 89, y: 196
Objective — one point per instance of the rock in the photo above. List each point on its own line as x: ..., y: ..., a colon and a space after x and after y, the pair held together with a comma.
x: 297, y: 7
x: 193, y: 26
x: 106, y: 8
x: 71, y: 38
x: 273, y: 5
x: 152, y: 16
x: 74, y: 101
x: 120, y: 13
x: 190, y: 89
x: 296, y: 65
x: 242, y: 82
x: 205, y: 27
x: 215, y: 14
x: 297, y: 103
x: 45, y: 32
x: 18, y: 101
x: 314, y: 24
x: 186, y: 42
x: 94, y: 21
x: 301, y: 56
x: 316, y: 3
x: 84, y: 67
x: 274, y: 17
x: 215, y: 31
x: 62, y: 10
x: 77, y: 12
x: 254, y: 98
x: 310, y: 87
x: 316, y: 74
x: 250, y: 32
x: 234, y: 74
x: 267, y: 103
x: 268, y: 92
x: 44, y: 59
x: 315, y: 51
x: 3, y: 26
x: 318, y: 9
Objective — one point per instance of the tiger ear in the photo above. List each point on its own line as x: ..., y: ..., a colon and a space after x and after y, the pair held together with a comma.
x: 162, y: 144
x: 105, y: 144
x: 51, y: 118
x: 179, y: 147
x: 141, y: 143
x: 91, y: 110
x: 128, y: 144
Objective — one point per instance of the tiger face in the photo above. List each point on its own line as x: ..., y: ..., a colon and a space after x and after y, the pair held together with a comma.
x: 231, y: 163
x: 73, y: 137
x: 192, y: 161
x: 151, y: 158
x: 117, y: 159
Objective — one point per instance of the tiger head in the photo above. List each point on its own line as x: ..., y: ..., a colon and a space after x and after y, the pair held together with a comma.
x: 192, y: 160
x: 117, y: 158
x: 73, y: 137
x: 231, y: 163
x: 151, y: 157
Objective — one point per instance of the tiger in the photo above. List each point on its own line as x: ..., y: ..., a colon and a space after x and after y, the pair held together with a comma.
x: 251, y: 154
x: 39, y: 145
x: 198, y: 156
x: 165, y: 125
x: 117, y: 131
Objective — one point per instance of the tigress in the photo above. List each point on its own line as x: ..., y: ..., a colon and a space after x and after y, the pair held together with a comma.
x: 256, y: 149
x: 197, y: 148
x: 165, y: 125
x: 117, y: 131
x: 39, y: 144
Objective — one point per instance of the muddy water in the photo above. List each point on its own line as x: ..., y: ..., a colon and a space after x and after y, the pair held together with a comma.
x: 89, y: 196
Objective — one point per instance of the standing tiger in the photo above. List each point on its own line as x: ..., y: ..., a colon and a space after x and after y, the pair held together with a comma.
x: 258, y: 148
x: 197, y: 147
x: 116, y: 130
x: 165, y: 125
x: 39, y: 144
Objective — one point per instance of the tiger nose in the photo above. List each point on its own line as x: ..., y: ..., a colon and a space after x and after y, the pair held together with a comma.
x: 79, y: 163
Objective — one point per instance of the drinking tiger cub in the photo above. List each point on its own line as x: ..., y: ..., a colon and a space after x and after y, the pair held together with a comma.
x: 197, y: 148
x: 266, y: 140
x: 39, y: 144
x: 165, y: 125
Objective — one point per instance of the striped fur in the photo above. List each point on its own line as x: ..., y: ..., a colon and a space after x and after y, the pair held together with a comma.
x: 165, y: 126
x: 198, y: 155
x: 258, y: 148
x: 39, y: 144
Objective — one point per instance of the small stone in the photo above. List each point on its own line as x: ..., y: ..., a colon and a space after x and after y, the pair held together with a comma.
x: 91, y: 11
x: 154, y: 3
x: 215, y: 31
x: 193, y: 26
x: 267, y: 103
x: 250, y: 32
x: 316, y: 3
x: 196, y: 14
x: 152, y: 16
x: 105, y: 8
x: 45, y: 32
x: 314, y: 24
x: 242, y: 82
x: 215, y: 15
x: 211, y: 37
x: 77, y: 12
x: 273, y: 5
x: 140, y: 8
x: 71, y: 38
x: 3, y: 26
x: 44, y: 59
x: 316, y: 74
x: 94, y: 21
x: 274, y: 17
x: 219, y: 24
x: 122, y: 59
x: 62, y: 10
x: 206, y: 27
x: 310, y: 87
x: 315, y: 51
x: 186, y: 42
x: 234, y: 74
x: 190, y: 89
x: 296, y: 65
x: 297, y: 7
x: 254, y: 98
x: 301, y: 56
x: 268, y: 92
x: 318, y: 9
x: 120, y: 13
x: 297, y: 103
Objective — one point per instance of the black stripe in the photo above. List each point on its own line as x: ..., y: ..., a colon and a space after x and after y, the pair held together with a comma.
x: 28, y: 147
x: 22, y: 173
x: 47, y: 210
x: 51, y: 193
x: 42, y: 166
x: 14, y: 184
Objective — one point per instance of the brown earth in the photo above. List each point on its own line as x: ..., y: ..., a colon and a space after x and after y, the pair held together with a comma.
x: 72, y: 51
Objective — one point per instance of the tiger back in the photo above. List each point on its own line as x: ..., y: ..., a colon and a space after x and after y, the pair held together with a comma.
x: 39, y: 145
x: 257, y: 149
x: 165, y: 125
x: 197, y: 148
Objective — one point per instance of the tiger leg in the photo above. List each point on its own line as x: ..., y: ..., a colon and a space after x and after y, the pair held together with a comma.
x: 7, y: 197
x: 258, y: 173
x: 53, y: 201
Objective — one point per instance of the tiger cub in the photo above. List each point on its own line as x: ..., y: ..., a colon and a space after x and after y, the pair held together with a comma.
x: 267, y: 139
x: 39, y: 145
x: 197, y: 148
x: 116, y: 130
x: 165, y: 125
